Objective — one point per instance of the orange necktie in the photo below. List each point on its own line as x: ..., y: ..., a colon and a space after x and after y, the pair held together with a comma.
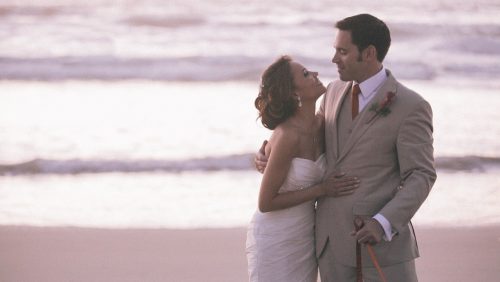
x: 355, y: 100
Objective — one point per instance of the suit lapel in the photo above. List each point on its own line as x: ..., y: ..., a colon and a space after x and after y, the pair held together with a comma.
x: 367, y: 117
x: 337, y: 102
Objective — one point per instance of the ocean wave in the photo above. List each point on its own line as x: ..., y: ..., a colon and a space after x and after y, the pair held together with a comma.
x: 38, y: 11
x: 164, y: 22
x: 462, y: 34
x: 230, y: 162
x: 195, y: 68
x: 473, y: 70
x: 467, y: 163
x: 113, y: 68
x: 477, y: 45
x: 411, y: 70
x: 77, y: 166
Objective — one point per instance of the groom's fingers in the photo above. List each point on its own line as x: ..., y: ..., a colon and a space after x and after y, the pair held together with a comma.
x: 262, y: 149
x: 363, y: 236
x: 367, y: 235
x: 260, y: 160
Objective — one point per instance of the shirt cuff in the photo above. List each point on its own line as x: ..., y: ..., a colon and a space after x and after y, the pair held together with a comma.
x: 386, y: 225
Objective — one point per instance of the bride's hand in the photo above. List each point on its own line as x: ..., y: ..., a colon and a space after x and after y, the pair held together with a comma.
x: 338, y: 185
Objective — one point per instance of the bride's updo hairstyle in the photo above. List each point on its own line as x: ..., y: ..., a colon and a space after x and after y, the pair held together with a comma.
x: 276, y: 101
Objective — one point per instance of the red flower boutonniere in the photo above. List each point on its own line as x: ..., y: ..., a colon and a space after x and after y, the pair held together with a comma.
x: 382, y: 108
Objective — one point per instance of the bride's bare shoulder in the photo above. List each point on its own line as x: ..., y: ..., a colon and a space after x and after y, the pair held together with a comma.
x: 284, y: 136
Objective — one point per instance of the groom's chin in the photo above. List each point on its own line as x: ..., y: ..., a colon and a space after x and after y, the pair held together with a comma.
x: 343, y: 77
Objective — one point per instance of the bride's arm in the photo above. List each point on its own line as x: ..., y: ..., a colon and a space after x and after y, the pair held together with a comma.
x: 283, y: 150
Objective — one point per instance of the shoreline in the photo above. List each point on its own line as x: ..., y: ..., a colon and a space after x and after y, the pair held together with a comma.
x: 90, y: 254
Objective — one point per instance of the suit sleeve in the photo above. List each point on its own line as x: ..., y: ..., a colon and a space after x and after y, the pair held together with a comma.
x: 321, y: 111
x: 416, y: 163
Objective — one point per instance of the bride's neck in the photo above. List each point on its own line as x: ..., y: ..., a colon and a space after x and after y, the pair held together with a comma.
x: 304, y: 117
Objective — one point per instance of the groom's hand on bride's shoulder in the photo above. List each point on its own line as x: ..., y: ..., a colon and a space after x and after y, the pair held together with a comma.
x: 260, y: 159
x: 339, y: 184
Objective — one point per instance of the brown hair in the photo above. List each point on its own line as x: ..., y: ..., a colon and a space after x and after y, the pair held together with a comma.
x: 367, y: 30
x: 276, y: 101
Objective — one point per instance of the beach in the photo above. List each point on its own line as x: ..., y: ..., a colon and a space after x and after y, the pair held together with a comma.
x: 128, y: 128
x: 218, y: 255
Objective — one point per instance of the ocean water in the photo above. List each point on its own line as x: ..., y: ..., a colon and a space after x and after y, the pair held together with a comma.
x: 122, y: 114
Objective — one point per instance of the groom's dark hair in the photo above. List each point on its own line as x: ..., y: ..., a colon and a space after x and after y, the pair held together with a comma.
x: 367, y: 30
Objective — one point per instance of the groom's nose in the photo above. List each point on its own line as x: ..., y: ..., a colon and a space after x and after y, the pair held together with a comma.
x: 335, y: 58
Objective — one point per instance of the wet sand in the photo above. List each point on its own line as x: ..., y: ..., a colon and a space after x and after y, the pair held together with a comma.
x: 81, y: 254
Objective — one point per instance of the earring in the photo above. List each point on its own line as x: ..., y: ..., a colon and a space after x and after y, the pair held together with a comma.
x: 300, y: 101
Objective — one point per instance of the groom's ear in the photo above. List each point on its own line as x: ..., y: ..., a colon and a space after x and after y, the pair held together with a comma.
x: 370, y: 53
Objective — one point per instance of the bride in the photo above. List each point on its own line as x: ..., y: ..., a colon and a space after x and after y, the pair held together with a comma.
x: 280, y: 237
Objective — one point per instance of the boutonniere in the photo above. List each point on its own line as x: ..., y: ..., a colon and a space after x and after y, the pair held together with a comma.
x: 382, y: 108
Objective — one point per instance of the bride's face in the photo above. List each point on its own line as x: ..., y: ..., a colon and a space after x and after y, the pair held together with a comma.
x: 307, y: 85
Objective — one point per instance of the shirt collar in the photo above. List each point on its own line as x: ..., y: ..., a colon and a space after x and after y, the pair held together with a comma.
x: 369, y: 86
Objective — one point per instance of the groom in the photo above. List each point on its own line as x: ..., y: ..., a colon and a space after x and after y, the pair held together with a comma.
x: 381, y: 132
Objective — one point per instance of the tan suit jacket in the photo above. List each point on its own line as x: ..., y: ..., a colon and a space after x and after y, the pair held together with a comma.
x: 382, y: 151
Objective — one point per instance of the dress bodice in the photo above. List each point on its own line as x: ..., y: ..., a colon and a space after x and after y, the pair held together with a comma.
x: 304, y: 173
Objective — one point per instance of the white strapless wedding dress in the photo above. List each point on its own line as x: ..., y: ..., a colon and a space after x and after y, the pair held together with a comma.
x: 280, y: 244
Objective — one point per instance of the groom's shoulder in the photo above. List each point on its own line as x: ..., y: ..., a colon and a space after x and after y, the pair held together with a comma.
x: 410, y: 96
x: 337, y: 83
x: 406, y: 94
x: 337, y: 86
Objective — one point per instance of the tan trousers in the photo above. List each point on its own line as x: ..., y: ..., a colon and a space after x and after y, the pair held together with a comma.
x: 331, y: 271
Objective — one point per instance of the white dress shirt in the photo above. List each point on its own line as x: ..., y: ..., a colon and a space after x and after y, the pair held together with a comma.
x: 370, y: 86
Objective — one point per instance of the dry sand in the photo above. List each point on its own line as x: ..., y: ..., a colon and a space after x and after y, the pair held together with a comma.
x: 75, y: 254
